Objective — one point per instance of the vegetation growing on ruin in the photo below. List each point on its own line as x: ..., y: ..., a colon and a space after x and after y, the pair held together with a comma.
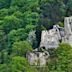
x: 17, y: 19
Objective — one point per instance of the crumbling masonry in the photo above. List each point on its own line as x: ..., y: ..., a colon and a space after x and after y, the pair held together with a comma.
x: 51, y: 39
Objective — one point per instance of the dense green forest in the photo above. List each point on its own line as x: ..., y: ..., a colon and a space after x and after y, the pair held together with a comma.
x: 17, y: 19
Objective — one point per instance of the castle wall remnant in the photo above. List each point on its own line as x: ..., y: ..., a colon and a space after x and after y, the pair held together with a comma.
x: 68, y: 30
x: 37, y: 58
x: 52, y: 38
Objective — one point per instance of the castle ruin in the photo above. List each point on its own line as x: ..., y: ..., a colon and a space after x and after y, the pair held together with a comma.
x: 51, y: 39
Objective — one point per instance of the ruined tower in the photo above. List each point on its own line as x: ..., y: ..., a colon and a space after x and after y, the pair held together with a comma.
x: 68, y: 30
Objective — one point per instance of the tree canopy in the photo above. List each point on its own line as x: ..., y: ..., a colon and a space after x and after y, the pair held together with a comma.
x: 18, y: 18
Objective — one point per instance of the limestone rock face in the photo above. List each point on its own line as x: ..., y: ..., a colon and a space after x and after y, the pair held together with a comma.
x: 68, y: 30
x: 32, y: 38
x: 50, y: 39
x: 32, y: 58
x: 68, y: 25
x: 37, y: 58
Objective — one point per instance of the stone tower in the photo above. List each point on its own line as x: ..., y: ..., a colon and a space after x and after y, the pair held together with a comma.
x: 50, y: 39
x: 68, y: 25
x: 68, y: 30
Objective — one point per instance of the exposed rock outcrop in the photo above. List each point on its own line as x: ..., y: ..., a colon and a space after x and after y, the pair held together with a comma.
x: 37, y: 58
x: 52, y: 38
x: 68, y: 30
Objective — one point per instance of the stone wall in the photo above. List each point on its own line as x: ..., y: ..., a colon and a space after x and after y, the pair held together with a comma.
x: 37, y: 58
x: 52, y: 38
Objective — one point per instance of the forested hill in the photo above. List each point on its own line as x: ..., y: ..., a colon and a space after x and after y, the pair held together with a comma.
x: 17, y: 19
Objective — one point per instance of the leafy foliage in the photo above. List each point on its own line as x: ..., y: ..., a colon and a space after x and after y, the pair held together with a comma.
x: 63, y: 59
x: 20, y: 48
x: 18, y: 18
